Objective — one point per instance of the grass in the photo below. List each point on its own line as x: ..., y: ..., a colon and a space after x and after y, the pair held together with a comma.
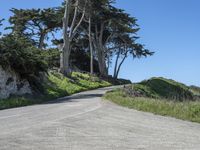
x: 164, y: 89
x: 195, y: 90
x: 56, y: 86
x: 186, y: 110
x: 160, y: 96
x: 167, y: 88
x: 15, y: 102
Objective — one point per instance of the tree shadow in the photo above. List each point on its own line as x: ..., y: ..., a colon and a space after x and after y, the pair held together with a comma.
x: 74, y: 97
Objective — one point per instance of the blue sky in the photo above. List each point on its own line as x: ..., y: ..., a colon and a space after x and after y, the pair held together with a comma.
x: 171, y: 28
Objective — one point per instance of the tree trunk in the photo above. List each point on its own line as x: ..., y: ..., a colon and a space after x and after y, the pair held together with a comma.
x: 119, y: 67
x: 91, y: 49
x: 104, y: 72
x: 102, y: 62
x: 101, y: 51
x: 41, y: 40
x: 108, y: 64
x: 116, y: 64
x: 64, y: 66
x: 68, y: 34
x: 65, y: 59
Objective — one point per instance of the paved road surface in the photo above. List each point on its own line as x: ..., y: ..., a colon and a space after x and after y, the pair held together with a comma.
x: 85, y: 122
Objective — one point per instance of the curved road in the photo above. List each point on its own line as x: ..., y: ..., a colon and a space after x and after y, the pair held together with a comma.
x: 85, y: 122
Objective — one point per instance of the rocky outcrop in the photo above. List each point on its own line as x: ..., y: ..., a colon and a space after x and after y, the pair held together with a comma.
x: 11, y: 84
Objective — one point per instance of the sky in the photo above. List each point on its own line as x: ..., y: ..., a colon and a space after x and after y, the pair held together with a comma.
x: 170, y: 28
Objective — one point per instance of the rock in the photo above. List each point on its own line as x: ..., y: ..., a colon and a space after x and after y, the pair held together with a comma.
x: 12, y: 84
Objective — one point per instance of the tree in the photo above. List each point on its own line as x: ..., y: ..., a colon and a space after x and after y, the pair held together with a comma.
x: 98, y: 28
x: 108, y: 22
x: 128, y: 47
x: 102, y: 25
x: 36, y: 24
x: 1, y: 20
x: 19, y: 54
x: 70, y: 30
x: 96, y: 32
x: 90, y: 13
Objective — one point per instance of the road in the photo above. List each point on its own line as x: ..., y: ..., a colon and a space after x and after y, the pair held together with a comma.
x: 85, y: 122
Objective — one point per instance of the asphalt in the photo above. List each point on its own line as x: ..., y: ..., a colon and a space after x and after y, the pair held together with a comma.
x: 86, y: 122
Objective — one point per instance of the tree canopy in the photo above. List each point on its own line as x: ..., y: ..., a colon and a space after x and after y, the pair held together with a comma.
x: 19, y: 55
x: 96, y: 30
x: 1, y: 20
x: 36, y: 24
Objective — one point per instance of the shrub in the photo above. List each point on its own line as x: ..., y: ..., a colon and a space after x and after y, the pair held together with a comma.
x: 18, y: 54
x: 52, y: 57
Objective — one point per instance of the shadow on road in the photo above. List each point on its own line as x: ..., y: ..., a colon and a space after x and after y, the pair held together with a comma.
x: 82, y: 96
x: 73, y: 97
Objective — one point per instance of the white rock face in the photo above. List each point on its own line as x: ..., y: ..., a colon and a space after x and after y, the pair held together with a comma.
x: 11, y: 84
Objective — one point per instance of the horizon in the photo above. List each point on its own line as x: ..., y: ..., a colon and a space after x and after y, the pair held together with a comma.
x: 169, y: 28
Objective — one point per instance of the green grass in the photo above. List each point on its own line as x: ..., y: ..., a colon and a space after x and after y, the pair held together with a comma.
x: 195, y: 90
x: 164, y: 88
x: 15, y: 102
x: 186, y: 110
x: 56, y: 86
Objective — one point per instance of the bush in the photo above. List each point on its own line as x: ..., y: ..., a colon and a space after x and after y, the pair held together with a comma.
x: 18, y: 54
x: 52, y: 57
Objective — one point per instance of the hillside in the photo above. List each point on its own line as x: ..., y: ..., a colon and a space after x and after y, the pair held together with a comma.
x: 160, y: 96
x: 54, y: 85
x: 162, y: 88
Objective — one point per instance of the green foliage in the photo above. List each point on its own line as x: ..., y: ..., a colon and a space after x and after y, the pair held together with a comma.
x: 57, y: 85
x: 1, y: 20
x: 35, y: 24
x: 160, y: 96
x: 145, y: 91
x: 40, y: 26
x: 119, y: 31
x: 181, y: 110
x: 195, y: 90
x: 15, y: 102
x: 163, y: 88
x: 52, y: 57
x: 19, y: 54
x: 81, y: 60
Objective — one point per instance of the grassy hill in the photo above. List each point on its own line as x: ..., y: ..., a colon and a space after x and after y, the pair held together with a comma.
x: 160, y: 96
x: 162, y: 88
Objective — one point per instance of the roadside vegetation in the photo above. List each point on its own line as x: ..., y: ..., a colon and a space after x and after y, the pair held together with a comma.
x: 160, y: 96
x: 56, y: 85
x: 92, y: 37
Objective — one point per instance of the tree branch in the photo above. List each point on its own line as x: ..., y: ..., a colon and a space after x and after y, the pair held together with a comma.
x: 74, y: 18
x: 79, y: 23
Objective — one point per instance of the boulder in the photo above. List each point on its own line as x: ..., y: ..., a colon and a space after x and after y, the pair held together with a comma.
x: 12, y: 84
